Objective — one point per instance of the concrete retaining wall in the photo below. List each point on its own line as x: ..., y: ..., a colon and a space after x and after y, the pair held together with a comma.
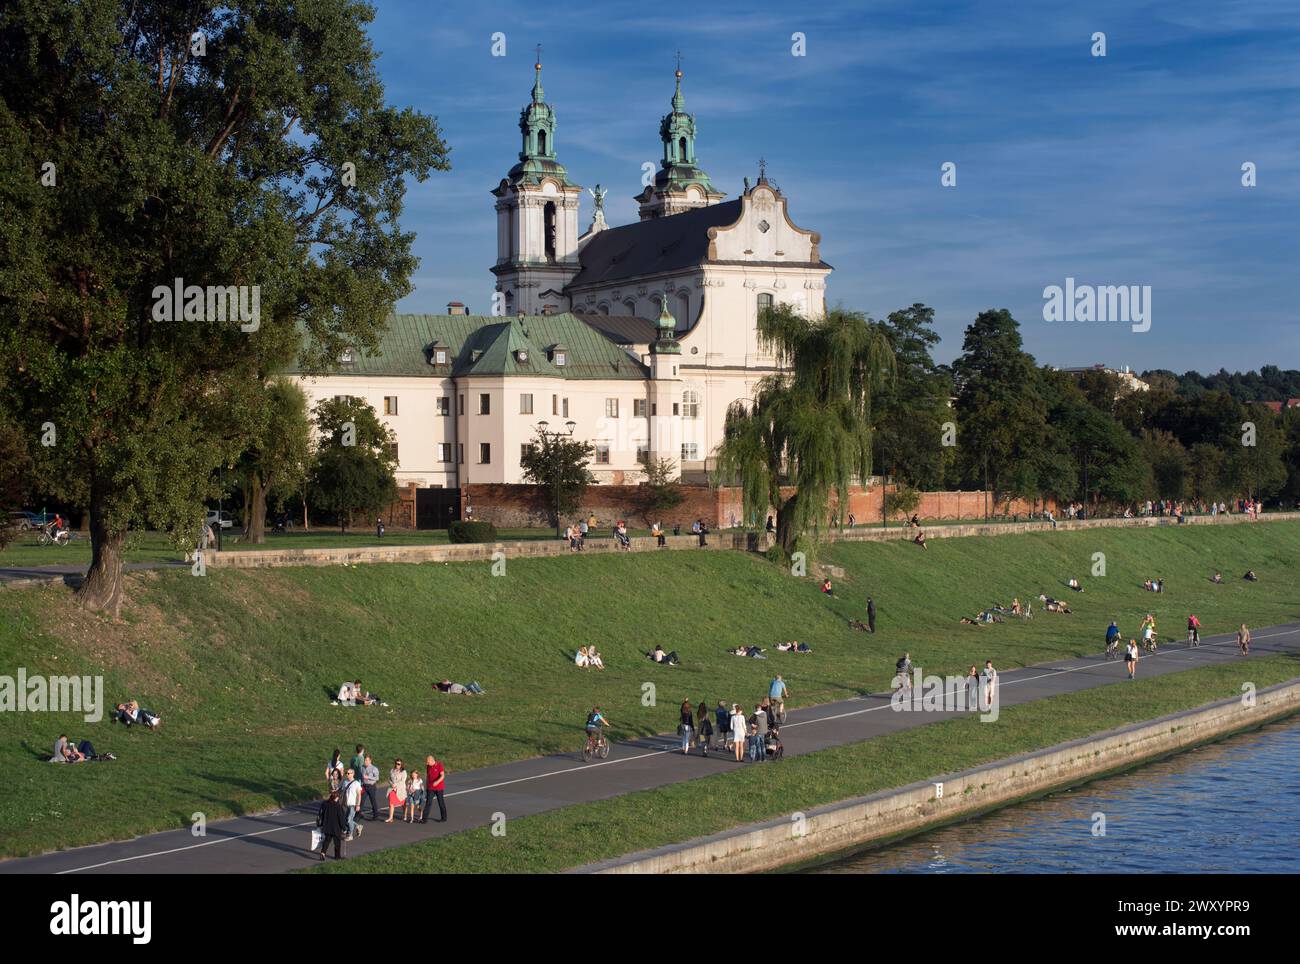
x: 729, y: 539
x: 852, y: 823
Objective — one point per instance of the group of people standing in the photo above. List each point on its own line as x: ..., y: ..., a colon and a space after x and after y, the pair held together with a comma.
x: 351, y: 786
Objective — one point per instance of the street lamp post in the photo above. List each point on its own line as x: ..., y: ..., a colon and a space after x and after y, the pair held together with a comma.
x: 544, y: 430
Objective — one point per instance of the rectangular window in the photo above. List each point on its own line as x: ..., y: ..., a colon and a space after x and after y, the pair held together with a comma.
x: 484, y: 453
x: 484, y: 404
x: 443, y: 405
x: 523, y: 451
x: 602, y: 453
x: 390, y: 404
x: 555, y: 404
x: 690, y: 452
x: 561, y: 358
x: 654, y: 408
x: 525, y: 404
x: 638, y: 407
x: 444, y: 451
x: 391, y: 448
x: 564, y: 407
x: 611, y: 408
x: 676, y: 408
x: 440, y: 356
x: 460, y: 453
x: 690, y: 405
x: 460, y: 404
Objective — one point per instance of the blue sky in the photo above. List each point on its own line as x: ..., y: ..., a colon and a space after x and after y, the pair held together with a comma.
x: 1123, y: 169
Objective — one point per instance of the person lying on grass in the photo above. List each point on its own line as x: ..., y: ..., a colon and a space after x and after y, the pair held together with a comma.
x: 1053, y: 605
x: 1250, y: 576
x: 794, y: 647
x: 131, y: 713
x: 659, y: 656
x: 447, y: 686
x: 1074, y: 584
x: 753, y: 651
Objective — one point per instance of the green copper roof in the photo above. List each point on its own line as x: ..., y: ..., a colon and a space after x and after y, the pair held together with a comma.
x: 666, y: 329
x: 537, y: 125
x: 486, y: 345
x: 679, y: 166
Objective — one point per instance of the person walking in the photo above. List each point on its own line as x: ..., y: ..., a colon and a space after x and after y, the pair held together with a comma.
x: 583, y: 528
x: 352, y: 803
x: 723, y: 717
x: 973, y: 688
x: 704, y: 725
x: 435, y: 779
x: 370, y: 786
x: 739, y: 730
x: 332, y: 824
x: 1131, y: 658
x: 358, y: 761
x: 1243, y: 640
x: 990, y: 683
x: 379, y: 527
x: 687, y: 726
x: 397, y: 780
x: 871, y: 615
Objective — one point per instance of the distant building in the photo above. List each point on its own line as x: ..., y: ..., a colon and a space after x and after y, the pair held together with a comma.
x: 1125, y: 375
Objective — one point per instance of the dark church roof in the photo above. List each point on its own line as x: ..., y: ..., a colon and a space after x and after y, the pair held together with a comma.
x: 623, y: 329
x: 650, y: 247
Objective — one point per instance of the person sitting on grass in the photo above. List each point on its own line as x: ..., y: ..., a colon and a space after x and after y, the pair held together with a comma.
x: 364, y: 698
x: 459, y: 689
x: 1218, y: 577
x: 1250, y: 576
x: 593, y: 658
x: 1015, y: 606
x: 920, y: 539
x: 1053, y: 605
x: 826, y: 587
x: 1074, y: 584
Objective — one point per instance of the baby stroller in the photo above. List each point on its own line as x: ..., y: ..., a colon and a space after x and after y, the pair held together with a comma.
x: 775, y: 748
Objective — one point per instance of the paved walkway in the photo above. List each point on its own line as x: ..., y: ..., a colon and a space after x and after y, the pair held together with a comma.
x: 275, y: 842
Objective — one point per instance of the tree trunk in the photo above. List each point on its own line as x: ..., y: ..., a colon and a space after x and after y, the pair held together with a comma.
x: 786, y: 537
x: 255, y: 508
x: 101, y: 591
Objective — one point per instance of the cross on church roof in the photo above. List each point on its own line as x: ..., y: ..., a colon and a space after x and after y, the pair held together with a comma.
x: 679, y: 63
x: 762, y: 168
x: 539, y: 57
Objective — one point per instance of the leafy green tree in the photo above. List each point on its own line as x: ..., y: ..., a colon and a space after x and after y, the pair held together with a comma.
x: 912, y: 407
x: 352, y: 470
x: 275, y: 464
x: 662, y: 491
x: 810, y: 425
x: 1001, y: 414
x: 558, y: 464
x: 237, y: 148
x: 14, y: 468
x: 1169, y: 463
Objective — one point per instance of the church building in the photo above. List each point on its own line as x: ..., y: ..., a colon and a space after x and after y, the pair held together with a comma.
x: 635, y: 338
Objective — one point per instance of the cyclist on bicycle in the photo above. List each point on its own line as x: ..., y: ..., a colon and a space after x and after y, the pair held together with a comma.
x: 596, y: 724
x: 1112, y: 636
x: 777, y: 691
x: 903, y: 669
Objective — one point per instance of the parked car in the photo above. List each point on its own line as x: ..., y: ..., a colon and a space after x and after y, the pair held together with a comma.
x: 227, y: 522
x: 23, y: 520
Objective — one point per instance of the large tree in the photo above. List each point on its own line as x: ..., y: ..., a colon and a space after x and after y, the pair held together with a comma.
x: 809, y: 426
x: 274, y: 466
x: 242, y: 147
x: 913, y: 406
x: 1001, y: 423
x: 352, y: 468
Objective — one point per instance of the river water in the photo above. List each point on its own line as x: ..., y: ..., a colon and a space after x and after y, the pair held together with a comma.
x: 1229, y: 807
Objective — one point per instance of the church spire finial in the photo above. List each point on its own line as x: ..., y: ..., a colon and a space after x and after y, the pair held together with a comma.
x: 678, y: 100
x: 539, y: 95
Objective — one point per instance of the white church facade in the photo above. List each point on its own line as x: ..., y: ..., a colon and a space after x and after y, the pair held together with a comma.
x: 637, y: 338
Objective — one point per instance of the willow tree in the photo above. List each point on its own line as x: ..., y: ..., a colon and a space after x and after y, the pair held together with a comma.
x: 192, y: 193
x: 808, y: 427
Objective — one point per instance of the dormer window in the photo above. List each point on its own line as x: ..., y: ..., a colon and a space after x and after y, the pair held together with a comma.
x: 521, y: 356
x: 437, y: 354
x: 475, y: 355
x: 348, y: 356
x: 561, y: 358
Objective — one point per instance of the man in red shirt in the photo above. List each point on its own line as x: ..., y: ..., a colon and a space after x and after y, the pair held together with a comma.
x: 435, y: 782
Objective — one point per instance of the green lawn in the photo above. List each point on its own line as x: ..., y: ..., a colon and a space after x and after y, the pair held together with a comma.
x: 577, y: 835
x: 240, y: 663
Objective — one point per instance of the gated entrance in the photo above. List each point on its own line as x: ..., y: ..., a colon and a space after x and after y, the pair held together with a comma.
x: 436, y: 508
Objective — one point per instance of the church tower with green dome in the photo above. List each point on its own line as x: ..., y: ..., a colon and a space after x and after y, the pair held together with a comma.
x: 680, y: 184
x: 537, y: 218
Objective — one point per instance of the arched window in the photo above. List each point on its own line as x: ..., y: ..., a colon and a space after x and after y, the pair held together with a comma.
x: 690, y: 404
x: 630, y: 305
x: 541, y: 142
x: 683, y: 309
x: 548, y: 224
x: 603, y: 308
x: 681, y: 148
x: 579, y: 310
x: 764, y: 301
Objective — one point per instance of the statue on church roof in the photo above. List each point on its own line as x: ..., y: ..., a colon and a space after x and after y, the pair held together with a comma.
x: 598, y: 194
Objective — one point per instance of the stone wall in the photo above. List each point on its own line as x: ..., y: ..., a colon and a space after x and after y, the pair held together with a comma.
x: 852, y: 823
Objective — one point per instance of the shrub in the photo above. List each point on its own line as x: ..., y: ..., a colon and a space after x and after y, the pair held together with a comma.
x: 467, y: 531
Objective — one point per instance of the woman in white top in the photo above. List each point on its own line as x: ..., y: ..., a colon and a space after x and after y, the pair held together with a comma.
x: 582, y: 659
x: 593, y: 657
x: 739, y: 730
x: 397, y: 777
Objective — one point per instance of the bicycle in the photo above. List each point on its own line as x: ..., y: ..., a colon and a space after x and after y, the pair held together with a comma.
x: 1112, y: 648
x: 1194, y: 637
x: 60, y: 538
x: 596, y: 745
x: 778, y: 710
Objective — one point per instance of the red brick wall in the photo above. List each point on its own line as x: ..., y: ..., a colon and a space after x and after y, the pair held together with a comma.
x: 519, y: 506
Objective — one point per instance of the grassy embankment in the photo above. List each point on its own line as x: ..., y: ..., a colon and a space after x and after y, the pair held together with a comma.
x: 240, y: 663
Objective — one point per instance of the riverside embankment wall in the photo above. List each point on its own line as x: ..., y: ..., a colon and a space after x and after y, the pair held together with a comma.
x: 840, y: 826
